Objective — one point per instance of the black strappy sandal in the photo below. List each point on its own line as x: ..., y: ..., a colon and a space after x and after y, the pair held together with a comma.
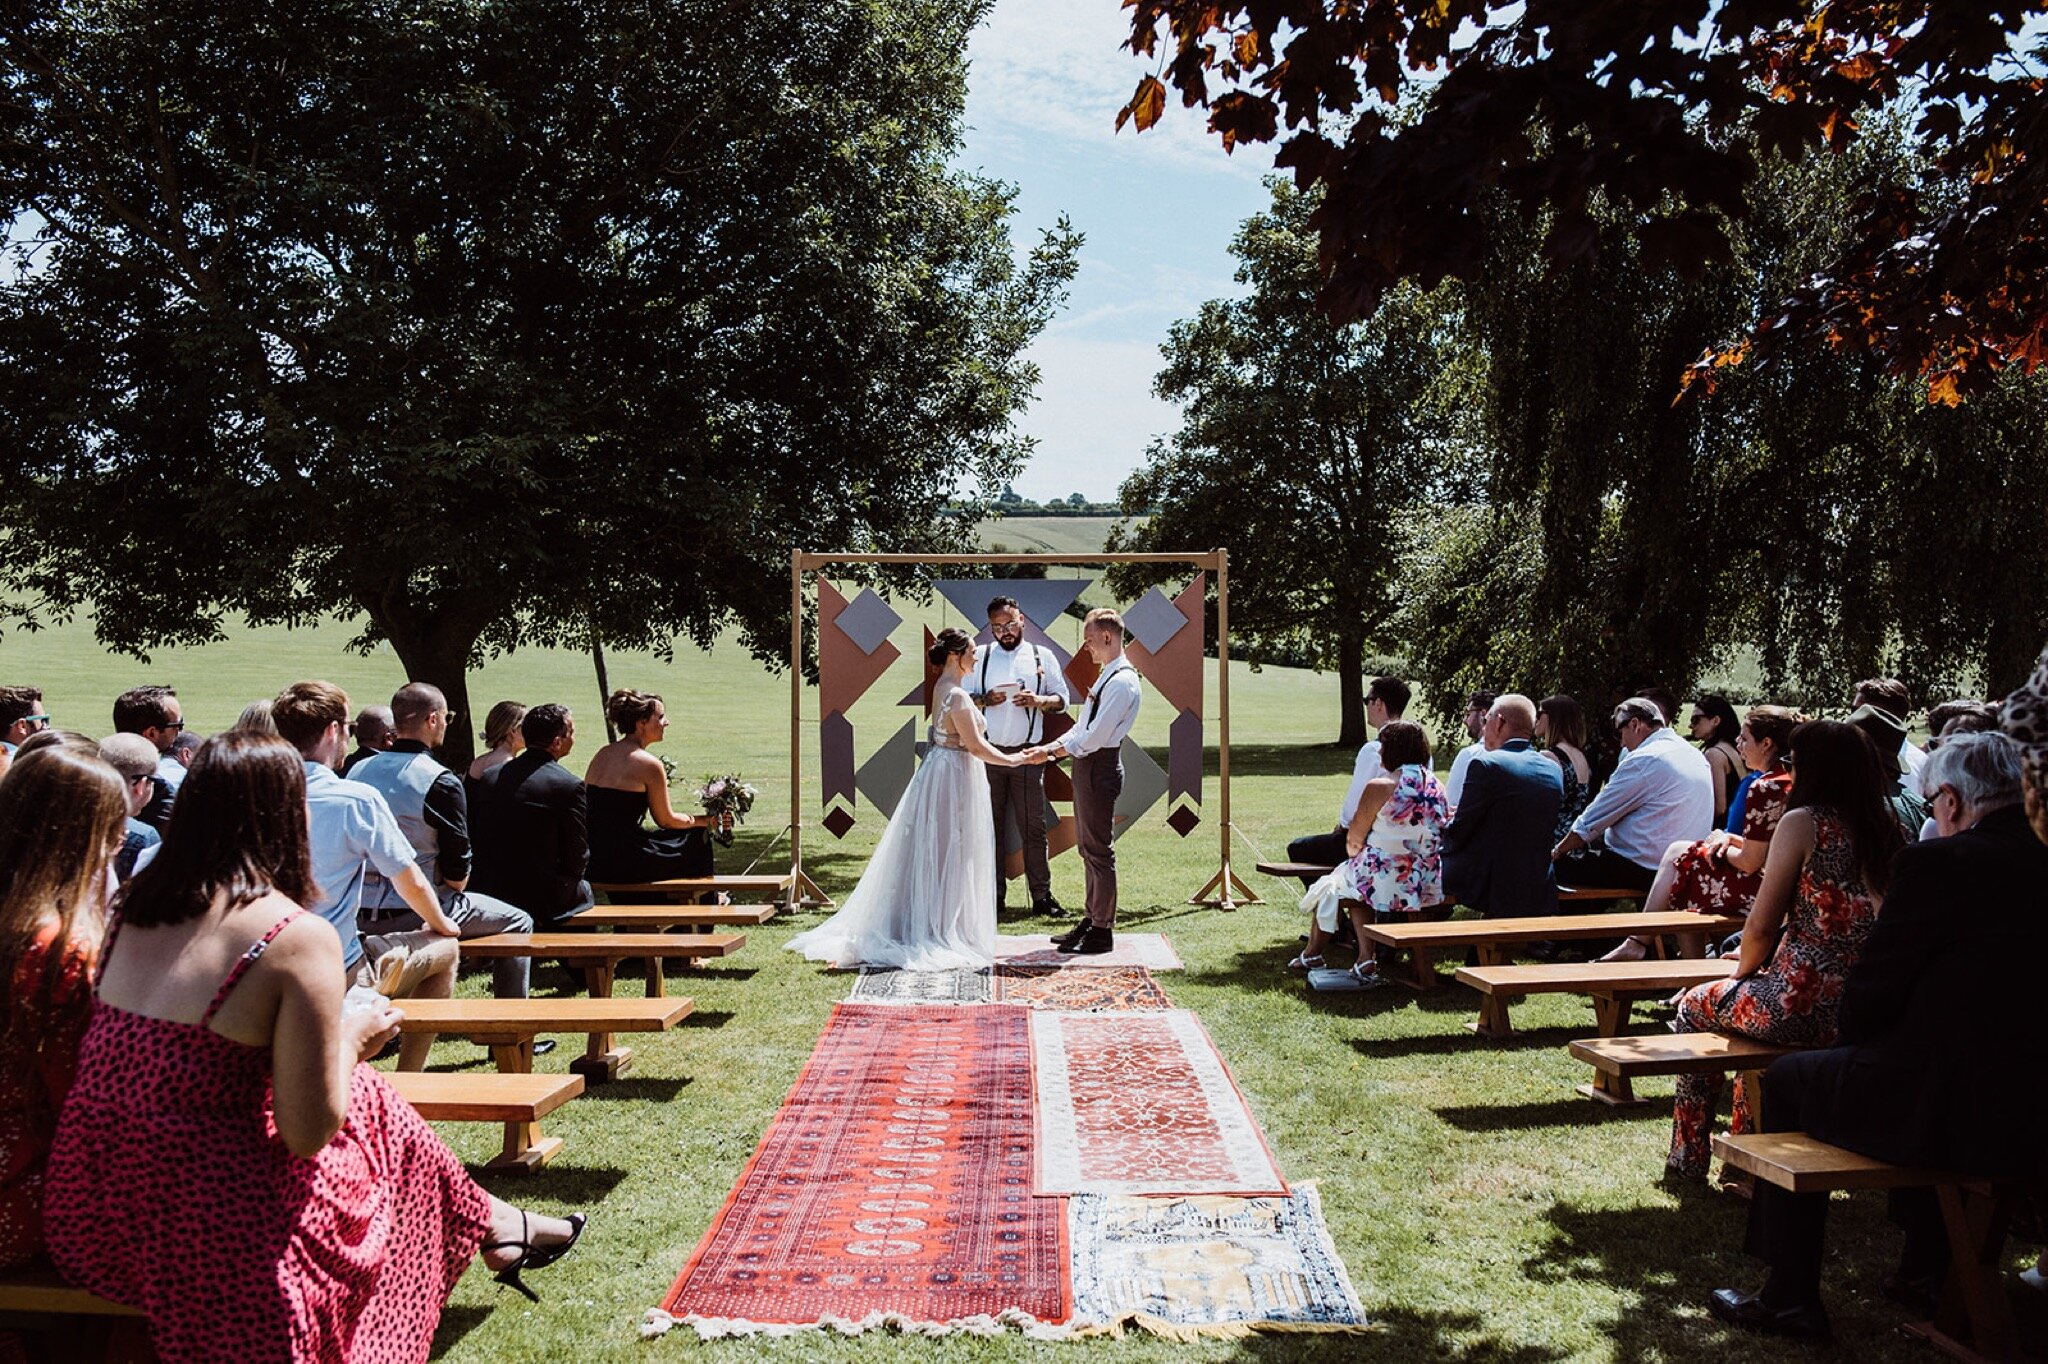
x: 532, y: 1256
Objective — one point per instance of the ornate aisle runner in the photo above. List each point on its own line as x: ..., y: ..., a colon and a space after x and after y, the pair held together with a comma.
x: 1209, y: 1266
x: 894, y: 1186
x: 1149, y: 950
x: 1140, y: 1103
x: 1041, y: 987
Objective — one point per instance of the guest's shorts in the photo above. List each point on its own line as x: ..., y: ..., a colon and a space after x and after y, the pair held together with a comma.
x: 426, y: 954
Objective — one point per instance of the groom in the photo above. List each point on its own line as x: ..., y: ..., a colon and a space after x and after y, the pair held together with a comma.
x: 1096, y: 746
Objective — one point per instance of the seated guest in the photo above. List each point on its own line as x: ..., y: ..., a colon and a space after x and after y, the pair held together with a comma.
x: 372, y: 731
x: 1497, y: 845
x: 1887, y: 732
x: 1561, y: 729
x: 1665, y: 702
x: 1829, y: 862
x: 1940, y: 1022
x: 1662, y: 793
x: 1476, y: 707
x: 627, y: 784
x: 1722, y: 873
x: 1961, y: 717
x: 432, y: 811
x: 353, y: 833
x: 196, y: 1173
x: 531, y: 824
x: 21, y: 714
x: 60, y: 821
x: 1395, y: 869
x: 134, y: 757
x: 255, y: 719
x: 155, y: 714
x: 1889, y: 695
x: 502, y: 740
x: 1714, y: 728
x: 1386, y: 700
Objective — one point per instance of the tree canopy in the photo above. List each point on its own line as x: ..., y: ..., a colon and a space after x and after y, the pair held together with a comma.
x: 495, y: 323
x: 1662, y: 111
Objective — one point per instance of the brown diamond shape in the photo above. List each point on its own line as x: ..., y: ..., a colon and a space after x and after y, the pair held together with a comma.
x: 839, y: 821
x: 1183, y: 820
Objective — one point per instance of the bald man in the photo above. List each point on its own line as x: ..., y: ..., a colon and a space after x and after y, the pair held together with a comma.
x: 1497, y: 845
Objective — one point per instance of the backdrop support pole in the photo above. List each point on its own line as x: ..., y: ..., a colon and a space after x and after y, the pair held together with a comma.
x: 1225, y: 880
x: 802, y: 890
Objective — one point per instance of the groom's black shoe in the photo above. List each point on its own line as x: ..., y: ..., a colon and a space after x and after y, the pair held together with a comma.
x: 1073, y: 935
x: 1092, y: 942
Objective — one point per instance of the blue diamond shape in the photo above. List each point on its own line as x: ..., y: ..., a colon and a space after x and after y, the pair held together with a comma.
x: 867, y: 620
x: 1153, y: 621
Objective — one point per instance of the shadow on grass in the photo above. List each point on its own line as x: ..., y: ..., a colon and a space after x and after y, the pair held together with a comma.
x: 566, y: 1186
x: 1462, y: 1042
x: 659, y: 1089
x: 456, y: 1322
x: 1282, y: 760
x: 1566, y: 1112
x: 1400, y: 1333
x: 706, y: 1018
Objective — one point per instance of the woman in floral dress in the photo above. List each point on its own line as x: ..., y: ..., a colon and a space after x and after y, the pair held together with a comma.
x: 1828, y: 866
x: 1396, y: 865
x: 1722, y: 873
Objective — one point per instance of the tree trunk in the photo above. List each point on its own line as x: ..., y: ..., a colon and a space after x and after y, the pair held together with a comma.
x: 1351, y: 688
x: 604, y: 681
x: 437, y: 653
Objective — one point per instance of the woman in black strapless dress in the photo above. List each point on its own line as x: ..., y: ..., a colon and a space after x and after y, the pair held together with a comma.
x: 627, y: 785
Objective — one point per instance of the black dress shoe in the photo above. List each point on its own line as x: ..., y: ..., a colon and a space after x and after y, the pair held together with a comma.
x: 1092, y: 942
x: 1049, y: 907
x: 1807, y: 1321
x: 1070, y: 937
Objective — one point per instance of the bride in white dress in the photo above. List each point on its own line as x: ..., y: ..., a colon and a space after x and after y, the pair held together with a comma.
x: 927, y: 901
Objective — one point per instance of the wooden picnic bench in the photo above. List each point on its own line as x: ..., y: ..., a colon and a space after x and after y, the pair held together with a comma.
x: 517, y: 1101
x: 70, y: 1322
x: 657, y: 918
x: 1492, y: 939
x: 690, y: 887
x: 508, y: 1026
x: 598, y: 956
x: 1613, y: 985
x: 1618, y: 1060
x: 1974, y: 1320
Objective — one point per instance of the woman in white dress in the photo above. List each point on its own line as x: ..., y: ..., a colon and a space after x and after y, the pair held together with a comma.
x: 927, y: 901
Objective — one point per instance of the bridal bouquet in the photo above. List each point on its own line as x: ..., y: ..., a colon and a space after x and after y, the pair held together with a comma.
x: 727, y: 795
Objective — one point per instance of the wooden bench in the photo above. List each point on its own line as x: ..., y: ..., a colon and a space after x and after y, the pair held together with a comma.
x: 508, y: 1026
x: 73, y: 1323
x: 1613, y: 986
x: 1492, y: 939
x: 1974, y: 1212
x: 598, y: 956
x: 690, y: 887
x: 1593, y: 895
x: 656, y: 918
x: 518, y: 1101
x: 1618, y: 1060
x: 1294, y: 870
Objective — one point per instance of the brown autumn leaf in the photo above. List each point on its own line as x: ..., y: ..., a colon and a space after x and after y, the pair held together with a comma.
x: 1146, y: 105
x: 1246, y: 48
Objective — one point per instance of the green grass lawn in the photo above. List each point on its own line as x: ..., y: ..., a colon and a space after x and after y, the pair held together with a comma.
x: 1486, y: 1213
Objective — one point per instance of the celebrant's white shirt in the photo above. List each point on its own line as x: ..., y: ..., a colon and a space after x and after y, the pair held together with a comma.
x: 1108, y: 713
x: 1009, y: 724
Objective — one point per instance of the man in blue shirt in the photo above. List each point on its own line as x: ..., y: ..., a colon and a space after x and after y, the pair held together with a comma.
x: 352, y: 830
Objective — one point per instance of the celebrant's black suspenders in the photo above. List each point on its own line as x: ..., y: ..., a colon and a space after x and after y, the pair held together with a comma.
x: 1039, y: 660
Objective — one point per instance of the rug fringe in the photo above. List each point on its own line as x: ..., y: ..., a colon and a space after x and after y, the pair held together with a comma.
x: 657, y: 1323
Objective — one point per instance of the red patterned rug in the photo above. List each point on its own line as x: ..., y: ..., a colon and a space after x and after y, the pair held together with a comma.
x: 895, y: 1180
x: 1083, y: 991
x: 1139, y: 1102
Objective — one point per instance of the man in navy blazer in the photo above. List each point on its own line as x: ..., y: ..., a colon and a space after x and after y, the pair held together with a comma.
x: 1497, y: 845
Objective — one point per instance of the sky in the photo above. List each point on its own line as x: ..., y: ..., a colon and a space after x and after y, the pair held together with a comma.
x: 1045, y: 82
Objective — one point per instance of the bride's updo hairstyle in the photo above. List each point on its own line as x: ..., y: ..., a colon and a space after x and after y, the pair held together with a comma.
x: 952, y: 640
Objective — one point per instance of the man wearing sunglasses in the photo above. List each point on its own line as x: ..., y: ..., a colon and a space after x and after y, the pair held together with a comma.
x: 154, y: 713
x: 21, y: 714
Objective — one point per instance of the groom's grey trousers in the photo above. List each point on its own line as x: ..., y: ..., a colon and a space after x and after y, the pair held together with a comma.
x: 1021, y: 789
x: 1098, y: 781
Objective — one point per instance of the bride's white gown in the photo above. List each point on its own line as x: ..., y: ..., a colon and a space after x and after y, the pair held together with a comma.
x: 927, y: 901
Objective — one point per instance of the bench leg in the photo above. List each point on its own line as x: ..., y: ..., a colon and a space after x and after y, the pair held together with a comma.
x: 1611, y: 1013
x: 526, y: 1150
x: 1976, y: 1234
x: 1421, y: 970
x: 1493, y: 1017
x: 514, y: 1055
x: 657, y: 982
x: 1613, y: 1090
x: 601, y: 1060
x: 1494, y: 954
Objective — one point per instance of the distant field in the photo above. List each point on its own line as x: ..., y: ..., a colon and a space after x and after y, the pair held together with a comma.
x: 1048, y: 534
